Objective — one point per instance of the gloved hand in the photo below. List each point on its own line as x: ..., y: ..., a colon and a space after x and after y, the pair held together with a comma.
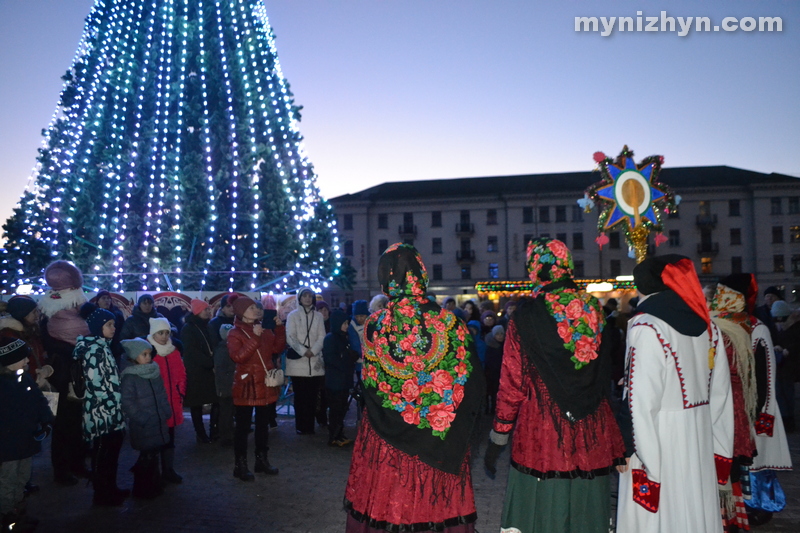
x: 493, y: 451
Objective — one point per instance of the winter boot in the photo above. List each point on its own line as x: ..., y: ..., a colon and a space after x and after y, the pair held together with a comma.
x: 241, y: 471
x: 167, y: 466
x: 146, y: 477
x: 199, y: 429
x: 263, y: 466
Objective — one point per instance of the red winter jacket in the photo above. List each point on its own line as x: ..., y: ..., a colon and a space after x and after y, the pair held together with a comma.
x: 245, y: 347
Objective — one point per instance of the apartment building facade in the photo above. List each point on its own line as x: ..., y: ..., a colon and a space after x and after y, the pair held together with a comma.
x: 476, y: 229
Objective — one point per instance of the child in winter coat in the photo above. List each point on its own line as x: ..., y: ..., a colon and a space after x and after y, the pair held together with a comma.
x: 25, y: 420
x: 145, y: 404
x: 340, y: 360
x: 224, y: 369
x: 173, y: 373
x: 103, y: 421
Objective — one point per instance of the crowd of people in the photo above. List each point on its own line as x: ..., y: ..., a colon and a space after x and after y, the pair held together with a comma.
x: 686, y: 393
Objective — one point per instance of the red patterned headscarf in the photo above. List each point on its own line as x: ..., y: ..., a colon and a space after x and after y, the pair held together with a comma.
x: 577, y: 314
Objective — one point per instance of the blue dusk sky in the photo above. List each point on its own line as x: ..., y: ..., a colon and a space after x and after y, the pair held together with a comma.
x: 401, y: 90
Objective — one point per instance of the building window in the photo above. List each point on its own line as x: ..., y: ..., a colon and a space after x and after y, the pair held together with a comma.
x: 674, y: 213
x: 736, y: 236
x: 736, y: 265
x: 577, y: 241
x: 613, y: 240
x: 777, y: 263
x: 616, y: 268
x: 466, y: 271
x: 578, y: 272
x: 734, y: 208
x: 491, y: 217
x: 436, y: 245
x: 527, y: 215
x: 436, y: 219
x: 674, y: 238
x: 544, y: 214
x: 347, y: 223
x: 383, y: 244
x: 794, y: 205
x: 494, y: 271
x: 409, y: 241
x: 775, y: 206
x: 777, y: 234
x: 562, y: 237
x: 544, y: 235
x: 383, y: 221
x: 348, y: 248
x: 526, y: 239
x: 705, y: 208
x: 794, y: 233
x: 561, y: 213
x: 577, y: 213
x: 796, y: 264
x: 491, y: 243
x: 706, y: 265
x: 465, y: 217
x: 437, y: 272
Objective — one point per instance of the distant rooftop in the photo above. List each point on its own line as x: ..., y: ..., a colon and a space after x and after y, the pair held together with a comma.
x: 678, y: 178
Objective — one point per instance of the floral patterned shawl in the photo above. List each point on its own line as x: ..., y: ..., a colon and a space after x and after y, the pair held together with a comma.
x: 420, y: 372
x: 559, y: 330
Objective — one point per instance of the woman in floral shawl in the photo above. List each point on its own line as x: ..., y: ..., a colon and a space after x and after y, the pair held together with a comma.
x: 423, y: 387
x: 553, y: 392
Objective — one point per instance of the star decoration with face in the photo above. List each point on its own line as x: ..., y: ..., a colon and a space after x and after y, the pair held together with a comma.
x: 630, y: 196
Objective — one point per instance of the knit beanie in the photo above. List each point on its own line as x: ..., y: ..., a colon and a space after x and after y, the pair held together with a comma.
x: 134, y: 347
x: 198, y: 306
x: 144, y: 298
x: 322, y: 304
x: 96, y: 318
x: 61, y: 275
x: 12, y: 350
x: 159, y: 324
x: 780, y: 309
x: 20, y: 306
x: 773, y: 291
x: 241, y: 304
x: 360, y: 307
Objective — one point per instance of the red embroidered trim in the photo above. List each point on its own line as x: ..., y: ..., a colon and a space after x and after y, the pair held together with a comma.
x: 723, y: 465
x: 667, y: 347
x: 765, y: 424
x: 645, y: 492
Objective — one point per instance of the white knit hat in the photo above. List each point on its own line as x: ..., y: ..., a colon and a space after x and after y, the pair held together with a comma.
x: 159, y: 324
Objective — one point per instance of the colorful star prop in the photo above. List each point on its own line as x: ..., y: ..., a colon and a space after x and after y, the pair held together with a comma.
x: 631, y: 196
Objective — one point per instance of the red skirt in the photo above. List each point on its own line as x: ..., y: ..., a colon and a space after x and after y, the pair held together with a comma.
x: 389, y: 490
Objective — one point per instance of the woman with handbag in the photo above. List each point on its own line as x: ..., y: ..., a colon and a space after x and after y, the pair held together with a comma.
x: 305, y: 334
x: 255, y: 383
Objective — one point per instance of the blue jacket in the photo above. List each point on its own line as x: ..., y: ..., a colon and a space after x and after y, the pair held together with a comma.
x: 23, y: 415
x: 145, y: 404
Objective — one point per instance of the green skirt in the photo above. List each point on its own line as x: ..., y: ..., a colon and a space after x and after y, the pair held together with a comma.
x: 536, y: 505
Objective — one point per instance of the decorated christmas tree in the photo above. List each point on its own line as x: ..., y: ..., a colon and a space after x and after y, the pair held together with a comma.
x: 174, y: 159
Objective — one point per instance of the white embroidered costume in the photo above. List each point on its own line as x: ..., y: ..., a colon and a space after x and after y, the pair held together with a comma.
x: 682, y: 415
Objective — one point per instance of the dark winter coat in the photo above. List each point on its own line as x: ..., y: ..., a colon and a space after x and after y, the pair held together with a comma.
x: 339, y: 357
x: 224, y: 369
x: 244, y: 347
x: 11, y: 327
x: 23, y: 414
x: 138, y: 324
x: 60, y: 354
x: 198, y: 358
x: 213, y: 328
x: 145, y: 404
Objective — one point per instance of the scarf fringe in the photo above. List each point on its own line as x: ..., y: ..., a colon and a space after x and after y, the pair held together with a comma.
x: 743, y: 362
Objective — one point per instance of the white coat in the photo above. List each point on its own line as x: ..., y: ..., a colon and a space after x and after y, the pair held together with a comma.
x: 305, y: 330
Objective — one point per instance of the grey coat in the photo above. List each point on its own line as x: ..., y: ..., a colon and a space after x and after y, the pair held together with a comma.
x: 224, y: 367
x: 145, y: 404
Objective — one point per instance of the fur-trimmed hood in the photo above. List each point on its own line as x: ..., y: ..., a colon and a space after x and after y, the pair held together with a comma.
x: 54, y: 301
x: 9, y: 322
